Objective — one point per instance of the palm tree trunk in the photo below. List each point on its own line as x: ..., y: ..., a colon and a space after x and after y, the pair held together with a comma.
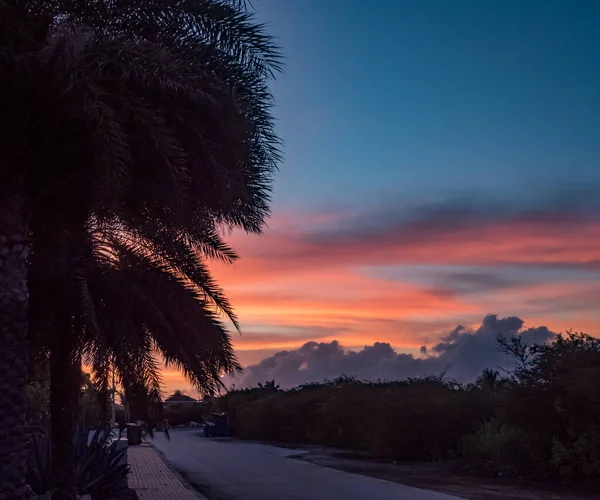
x: 14, y: 302
x: 65, y: 384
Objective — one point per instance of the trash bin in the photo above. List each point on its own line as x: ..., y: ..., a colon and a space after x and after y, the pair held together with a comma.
x: 134, y: 434
x: 217, y: 425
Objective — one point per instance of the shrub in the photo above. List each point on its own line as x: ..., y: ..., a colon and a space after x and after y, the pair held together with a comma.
x: 399, y: 420
x: 578, y: 457
x: 100, y: 471
x: 423, y: 419
x: 498, y: 445
x: 184, y: 414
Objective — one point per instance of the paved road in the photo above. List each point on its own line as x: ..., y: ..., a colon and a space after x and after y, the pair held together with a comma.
x: 234, y: 470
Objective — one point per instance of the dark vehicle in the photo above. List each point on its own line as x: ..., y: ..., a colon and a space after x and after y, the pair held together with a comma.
x: 217, y: 425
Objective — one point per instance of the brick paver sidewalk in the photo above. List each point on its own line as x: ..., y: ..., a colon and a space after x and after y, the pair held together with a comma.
x: 150, y: 477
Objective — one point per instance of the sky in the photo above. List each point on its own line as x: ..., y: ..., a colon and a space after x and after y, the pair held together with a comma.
x: 442, y: 164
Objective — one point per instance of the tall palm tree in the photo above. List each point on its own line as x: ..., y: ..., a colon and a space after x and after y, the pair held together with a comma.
x: 153, y: 115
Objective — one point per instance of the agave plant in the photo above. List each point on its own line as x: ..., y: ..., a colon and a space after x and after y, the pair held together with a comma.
x: 101, y: 470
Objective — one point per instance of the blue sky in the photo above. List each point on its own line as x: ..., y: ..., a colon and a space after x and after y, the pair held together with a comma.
x: 428, y: 98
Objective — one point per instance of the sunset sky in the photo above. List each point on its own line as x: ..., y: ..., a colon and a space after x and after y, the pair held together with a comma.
x: 442, y: 162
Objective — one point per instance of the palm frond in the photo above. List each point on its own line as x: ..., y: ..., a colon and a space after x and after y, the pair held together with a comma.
x: 172, y: 257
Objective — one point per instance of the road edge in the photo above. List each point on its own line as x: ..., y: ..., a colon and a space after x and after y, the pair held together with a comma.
x: 184, y: 480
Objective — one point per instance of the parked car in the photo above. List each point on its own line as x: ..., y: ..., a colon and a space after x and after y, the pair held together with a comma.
x: 217, y: 425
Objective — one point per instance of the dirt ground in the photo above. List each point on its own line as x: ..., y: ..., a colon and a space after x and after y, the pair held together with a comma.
x: 447, y: 478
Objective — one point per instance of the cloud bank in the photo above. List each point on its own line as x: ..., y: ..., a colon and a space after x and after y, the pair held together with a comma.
x: 462, y: 354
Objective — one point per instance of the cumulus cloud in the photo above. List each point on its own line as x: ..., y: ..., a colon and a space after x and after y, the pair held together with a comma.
x: 461, y: 354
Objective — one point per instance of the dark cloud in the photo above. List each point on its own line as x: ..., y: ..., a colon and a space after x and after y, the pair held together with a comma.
x: 557, y: 234
x: 551, y: 232
x: 475, y: 280
x: 462, y: 354
x: 260, y: 336
x: 480, y: 281
x: 396, y: 221
x: 578, y: 300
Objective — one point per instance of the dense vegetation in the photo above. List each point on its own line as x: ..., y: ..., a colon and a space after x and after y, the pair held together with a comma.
x: 541, y: 419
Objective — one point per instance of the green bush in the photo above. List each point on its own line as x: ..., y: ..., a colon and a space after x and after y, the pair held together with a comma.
x: 390, y: 420
x: 498, y: 446
x: 426, y: 420
x: 184, y: 414
x: 578, y: 457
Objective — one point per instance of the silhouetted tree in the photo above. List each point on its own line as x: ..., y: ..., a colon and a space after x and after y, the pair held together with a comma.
x: 149, y: 120
x: 269, y: 385
x: 488, y: 380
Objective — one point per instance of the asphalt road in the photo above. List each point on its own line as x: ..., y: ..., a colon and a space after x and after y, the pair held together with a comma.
x: 237, y: 470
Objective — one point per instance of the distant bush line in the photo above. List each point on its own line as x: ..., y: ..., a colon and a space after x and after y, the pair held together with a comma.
x: 541, y: 419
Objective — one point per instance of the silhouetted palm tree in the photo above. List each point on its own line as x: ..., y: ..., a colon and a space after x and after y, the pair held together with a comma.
x: 135, y: 297
x: 488, y: 380
x: 152, y: 117
x: 269, y: 385
x: 137, y: 307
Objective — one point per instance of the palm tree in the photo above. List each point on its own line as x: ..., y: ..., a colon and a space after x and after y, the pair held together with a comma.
x: 135, y: 297
x: 269, y: 385
x: 151, y: 116
x: 488, y: 380
x: 135, y: 307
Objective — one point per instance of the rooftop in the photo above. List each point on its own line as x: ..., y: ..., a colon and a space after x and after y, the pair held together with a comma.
x: 179, y: 398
